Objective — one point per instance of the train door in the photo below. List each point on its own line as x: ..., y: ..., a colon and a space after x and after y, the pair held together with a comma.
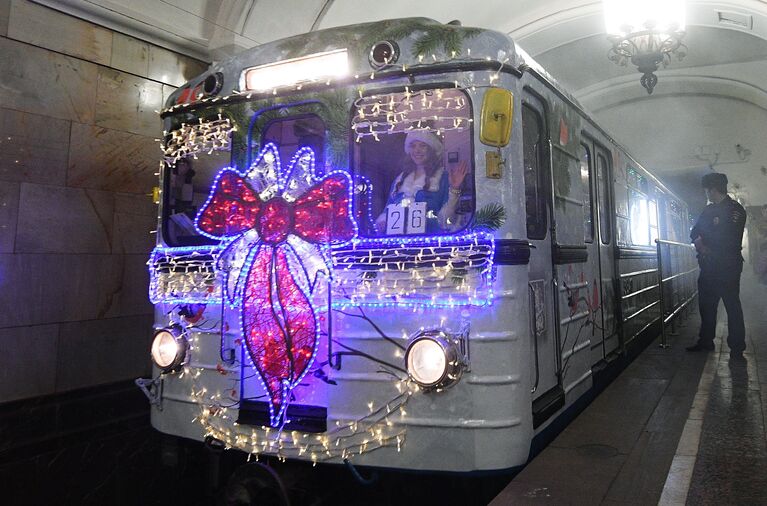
x: 607, y: 252
x: 591, y: 238
x: 546, y: 381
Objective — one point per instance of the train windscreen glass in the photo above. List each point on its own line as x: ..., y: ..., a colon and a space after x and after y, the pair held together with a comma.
x: 292, y: 133
x: 194, y: 154
x: 191, y: 175
x: 413, y: 155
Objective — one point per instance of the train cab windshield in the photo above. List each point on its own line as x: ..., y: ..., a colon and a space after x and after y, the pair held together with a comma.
x: 413, y: 150
x: 410, y: 156
x: 187, y: 183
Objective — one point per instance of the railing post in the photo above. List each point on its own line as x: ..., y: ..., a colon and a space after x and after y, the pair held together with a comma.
x: 663, y: 343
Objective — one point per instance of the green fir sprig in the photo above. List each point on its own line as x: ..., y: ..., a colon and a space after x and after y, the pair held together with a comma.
x: 490, y: 217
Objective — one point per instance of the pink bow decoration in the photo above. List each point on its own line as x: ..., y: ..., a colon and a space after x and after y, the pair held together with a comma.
x: 278, y: 229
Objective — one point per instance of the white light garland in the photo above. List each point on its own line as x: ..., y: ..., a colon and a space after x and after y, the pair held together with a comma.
x: 432, y: 110
x: 204, y: 137
x: 184, y: 275
x: 343, y: 440
x: 453, y: 275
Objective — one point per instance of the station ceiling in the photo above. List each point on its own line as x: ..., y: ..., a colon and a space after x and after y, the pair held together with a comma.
x: 710, y: 109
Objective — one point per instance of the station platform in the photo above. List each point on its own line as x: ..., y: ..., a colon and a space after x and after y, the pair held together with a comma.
x: 675, y: 428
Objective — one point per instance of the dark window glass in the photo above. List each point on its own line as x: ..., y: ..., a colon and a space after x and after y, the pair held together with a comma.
x: 535, y: 194
x: 188, y: 183
x: 588, y: 209
x: 603, y: 175
x: 189, y: 179
x: 295, y: 132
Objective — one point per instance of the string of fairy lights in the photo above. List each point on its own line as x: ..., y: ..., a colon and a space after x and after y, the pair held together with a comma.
x: 435, y: 275
x: 184, y: 275
x: 190, y: 140
x: 403, y: 112
x: 397, y: 274
x: 344, y: 438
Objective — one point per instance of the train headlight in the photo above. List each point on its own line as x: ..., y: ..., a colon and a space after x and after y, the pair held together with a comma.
x: 433, y: 360
x: 169, y: 348
x: 311, y: 68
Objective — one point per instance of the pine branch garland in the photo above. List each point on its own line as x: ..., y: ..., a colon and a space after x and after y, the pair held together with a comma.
x: 491, y: 217
x: 338, y: 125
x: 428, y: 43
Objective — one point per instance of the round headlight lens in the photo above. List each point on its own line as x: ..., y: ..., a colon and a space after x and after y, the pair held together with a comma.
x: 433, y: 360
x: 168, y: 349
x: 426, y: 362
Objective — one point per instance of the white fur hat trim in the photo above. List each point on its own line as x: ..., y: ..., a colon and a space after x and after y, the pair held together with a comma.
x: 426, y: 137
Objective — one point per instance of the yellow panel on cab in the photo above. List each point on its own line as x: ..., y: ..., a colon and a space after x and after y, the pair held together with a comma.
x: 495, y: 122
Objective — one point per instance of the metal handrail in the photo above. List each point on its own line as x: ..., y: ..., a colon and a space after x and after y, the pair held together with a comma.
x: 662, y: 281
x: 680, y: 275
x: 681, y: 306
x: 534, y: 328
x: 634, y: 294
x: 637, y: 273
x: 674, y: 243
x: 634, y: 315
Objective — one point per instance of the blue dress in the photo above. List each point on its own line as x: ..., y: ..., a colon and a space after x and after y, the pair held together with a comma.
x: 434, y: 201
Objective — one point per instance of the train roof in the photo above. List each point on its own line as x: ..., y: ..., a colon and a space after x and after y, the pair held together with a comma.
x: 525, y: 61
x: 421, y: 41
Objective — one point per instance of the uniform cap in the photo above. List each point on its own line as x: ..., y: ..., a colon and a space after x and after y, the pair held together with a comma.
x: 714, y: 180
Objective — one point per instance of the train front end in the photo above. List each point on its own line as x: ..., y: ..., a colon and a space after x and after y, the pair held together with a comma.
x: 335, y: 275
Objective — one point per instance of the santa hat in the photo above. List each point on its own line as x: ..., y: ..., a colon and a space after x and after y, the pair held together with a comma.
x: 426, y: 137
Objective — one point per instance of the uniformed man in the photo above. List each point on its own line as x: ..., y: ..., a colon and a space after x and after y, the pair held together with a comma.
x: 717, y: 237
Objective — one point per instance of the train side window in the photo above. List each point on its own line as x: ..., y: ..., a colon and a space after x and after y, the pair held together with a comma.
x: 639, y: 219
x: 603, y: 177
x: 653, y: 221
x: 535, y: 195
x: 675, y: 227
x: 588, y: 208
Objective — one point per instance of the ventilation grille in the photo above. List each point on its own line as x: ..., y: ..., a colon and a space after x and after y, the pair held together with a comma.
x: 736, y: 19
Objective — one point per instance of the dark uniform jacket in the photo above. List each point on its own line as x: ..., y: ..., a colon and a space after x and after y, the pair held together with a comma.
x: 721, y: 228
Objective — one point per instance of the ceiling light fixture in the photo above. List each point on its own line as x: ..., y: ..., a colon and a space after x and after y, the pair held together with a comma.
x: 645, y: 32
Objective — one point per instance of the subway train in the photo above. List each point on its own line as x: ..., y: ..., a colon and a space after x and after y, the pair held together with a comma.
x: 399, y: 245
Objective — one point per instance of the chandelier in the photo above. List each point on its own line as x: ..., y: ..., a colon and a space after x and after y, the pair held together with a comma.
x: 645, y: 32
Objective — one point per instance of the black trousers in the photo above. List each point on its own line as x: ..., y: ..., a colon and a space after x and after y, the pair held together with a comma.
x: 722, y: 284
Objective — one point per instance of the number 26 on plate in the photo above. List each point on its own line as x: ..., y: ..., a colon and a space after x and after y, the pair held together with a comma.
x: 409, y: 219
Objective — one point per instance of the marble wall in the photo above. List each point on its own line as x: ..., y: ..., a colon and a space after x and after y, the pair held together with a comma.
x: 78, y: 154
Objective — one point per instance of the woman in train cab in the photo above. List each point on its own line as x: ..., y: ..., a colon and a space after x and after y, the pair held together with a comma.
x: 424, y: 179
